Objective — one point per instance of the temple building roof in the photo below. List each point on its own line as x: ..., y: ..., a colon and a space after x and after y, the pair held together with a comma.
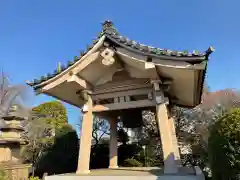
x: 114, y: 60
x: 113, y: 37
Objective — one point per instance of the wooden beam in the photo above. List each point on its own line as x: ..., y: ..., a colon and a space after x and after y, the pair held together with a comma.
x: 127, y: 88
x: 66, y: 101
x: 53, y: 84
x: 121, y: 93
x: 149, y: 65
x: 81, y: 82
x: 84, y: 63
x: 123, y: 105
x: 122, y: 86
x: 69, y: 77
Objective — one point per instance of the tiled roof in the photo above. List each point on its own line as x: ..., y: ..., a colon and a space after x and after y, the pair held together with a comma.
x: 110, y: 31
x: 114, y: 36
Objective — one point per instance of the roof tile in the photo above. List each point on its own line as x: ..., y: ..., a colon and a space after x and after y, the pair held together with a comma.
x: 111, y: 32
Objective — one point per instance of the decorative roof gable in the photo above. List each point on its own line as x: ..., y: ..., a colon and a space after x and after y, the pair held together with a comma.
x: 114, y: 37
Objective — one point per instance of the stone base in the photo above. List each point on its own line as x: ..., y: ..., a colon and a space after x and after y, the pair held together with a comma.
x: 143, y: 173
x: 83, y: 172
x: 171, y: 170
x: 113, y: 167
x: 123, y: 178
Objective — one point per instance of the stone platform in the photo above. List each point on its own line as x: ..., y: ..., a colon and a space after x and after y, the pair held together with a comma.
x: 149, y: 173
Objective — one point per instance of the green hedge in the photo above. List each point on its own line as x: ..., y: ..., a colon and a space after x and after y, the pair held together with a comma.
x: 62, y: 157
x: 224, y: 147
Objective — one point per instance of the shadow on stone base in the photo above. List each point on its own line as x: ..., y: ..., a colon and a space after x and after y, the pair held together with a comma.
x: 122, y: 173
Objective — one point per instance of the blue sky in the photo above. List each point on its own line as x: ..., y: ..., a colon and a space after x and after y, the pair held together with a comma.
x: 36, y: 35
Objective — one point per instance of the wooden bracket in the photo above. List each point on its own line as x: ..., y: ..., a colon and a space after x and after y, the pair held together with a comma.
x: 84, y: 94
x: 158, y: 93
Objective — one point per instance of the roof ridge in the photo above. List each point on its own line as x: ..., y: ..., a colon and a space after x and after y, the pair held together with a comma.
x: 111, y: 32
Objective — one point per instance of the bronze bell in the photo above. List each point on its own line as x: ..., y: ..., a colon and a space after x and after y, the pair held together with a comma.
x: 132, y: 118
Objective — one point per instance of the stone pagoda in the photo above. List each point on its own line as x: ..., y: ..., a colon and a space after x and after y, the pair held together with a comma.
x: 10, y: 137
x: 116, y: 78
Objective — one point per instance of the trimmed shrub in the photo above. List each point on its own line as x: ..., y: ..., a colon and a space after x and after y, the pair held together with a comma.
x: 34, y: 178
x: 224, y: 147
x: 127, y: 151
x: 62, y: 157
x: 55, y: 111
x: 99, y: 156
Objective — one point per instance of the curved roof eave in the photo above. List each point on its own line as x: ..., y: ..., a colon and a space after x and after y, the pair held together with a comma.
x: 64, y: 70
x: 109, y: 32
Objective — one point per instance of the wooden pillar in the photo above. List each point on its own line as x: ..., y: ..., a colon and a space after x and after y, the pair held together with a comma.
x: 86, y: 139
x: 166, y: 139
x: 113, y: 145
x: 174, y: 141
x: 164, y: 129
